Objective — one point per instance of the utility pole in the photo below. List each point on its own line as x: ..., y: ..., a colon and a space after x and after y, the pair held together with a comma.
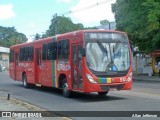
x: 55, y: 22
x: 109, y: 26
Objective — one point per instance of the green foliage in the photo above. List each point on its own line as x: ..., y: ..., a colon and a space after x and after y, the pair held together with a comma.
x: 90, y: 28
x: 141, y: 20
x: 153, y: 14
x: 37, y: 36
x: 61, y: 24
x: 104, y: 22
x: 9, y: 36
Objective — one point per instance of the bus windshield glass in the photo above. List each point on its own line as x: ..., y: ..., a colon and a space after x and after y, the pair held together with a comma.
x: 108, y: 54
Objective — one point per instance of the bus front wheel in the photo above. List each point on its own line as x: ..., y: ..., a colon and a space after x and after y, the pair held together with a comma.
x: 65, y: 90
x: 25, y: 84
x: 102, y: 93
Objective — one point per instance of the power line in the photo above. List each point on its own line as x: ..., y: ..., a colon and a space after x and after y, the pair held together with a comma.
x: 86, y: 8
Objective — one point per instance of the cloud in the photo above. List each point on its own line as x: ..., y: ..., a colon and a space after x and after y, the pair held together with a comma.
x: 88, y: 11
x: 6, y: 11
x: 31, y: 28
x: 64, y: 1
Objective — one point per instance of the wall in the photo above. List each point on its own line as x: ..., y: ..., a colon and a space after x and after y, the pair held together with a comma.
x: 4, y: 56
x: 142, y: 64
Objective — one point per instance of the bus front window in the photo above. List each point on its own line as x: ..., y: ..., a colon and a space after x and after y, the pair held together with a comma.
x: 104, y: 57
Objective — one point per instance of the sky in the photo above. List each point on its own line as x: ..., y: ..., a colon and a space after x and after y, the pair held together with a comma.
x: 33, y: 16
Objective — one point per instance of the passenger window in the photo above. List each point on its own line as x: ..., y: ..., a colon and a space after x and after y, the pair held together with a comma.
x: 63, y: 49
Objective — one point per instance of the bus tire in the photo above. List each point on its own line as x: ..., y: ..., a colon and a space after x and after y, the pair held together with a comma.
x: 24, y: 80
x: 102, y: 93
x: 65, y: 90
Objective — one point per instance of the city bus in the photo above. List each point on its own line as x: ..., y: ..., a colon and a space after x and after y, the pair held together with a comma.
x: 83, y: 61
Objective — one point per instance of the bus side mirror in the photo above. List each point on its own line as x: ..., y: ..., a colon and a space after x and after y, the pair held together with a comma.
x: 83, y: 52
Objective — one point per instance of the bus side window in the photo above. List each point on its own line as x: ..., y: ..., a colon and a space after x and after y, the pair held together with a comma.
x: 11, y: 57
x: 80, y: 56
x: 63, y: 49
x: 59, y: 49
x: 26, y: 54
x: 74, y: 55
x: 67, y: 49
x: 54, y: 50
x: 44, y: 56
x: 22, y: 54
x: 79, y: 52
x: 32, y: 53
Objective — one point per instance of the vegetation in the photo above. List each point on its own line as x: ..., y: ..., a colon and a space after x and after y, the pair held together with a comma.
x: 104, y: 22
x: 9, y: 36
x: 61, y: 24
x: 37, y: 36
x: 141, y: 20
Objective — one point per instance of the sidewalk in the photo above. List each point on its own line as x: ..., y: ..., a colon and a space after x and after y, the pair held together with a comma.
x: 17, y: 105
x: 146, y: 78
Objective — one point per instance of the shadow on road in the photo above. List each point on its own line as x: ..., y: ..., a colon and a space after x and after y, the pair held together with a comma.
x: 83, y: 97
x: 94, y: 97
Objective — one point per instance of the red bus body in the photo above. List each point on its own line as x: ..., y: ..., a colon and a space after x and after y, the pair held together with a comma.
x: 42, y: 70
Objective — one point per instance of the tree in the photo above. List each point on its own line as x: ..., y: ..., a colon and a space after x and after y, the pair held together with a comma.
x: 9, y: 36
x: 61, y: 24
x: 104, y: 22
x: 154, y: 21
x: 141, y: 20
x: 37, y: 36
x: 88, y: 28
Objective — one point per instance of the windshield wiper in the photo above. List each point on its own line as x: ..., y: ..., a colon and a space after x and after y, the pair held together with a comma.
x: 111, y: 64
x: 102, y: 48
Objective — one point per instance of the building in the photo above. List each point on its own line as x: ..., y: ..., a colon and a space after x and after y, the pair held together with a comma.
x: 109, y: 26
x: 4, y: 56
x: 155, y: 59
x: 142, y: 64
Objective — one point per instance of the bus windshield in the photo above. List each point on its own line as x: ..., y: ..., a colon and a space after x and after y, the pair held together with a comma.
x: 107, y: 56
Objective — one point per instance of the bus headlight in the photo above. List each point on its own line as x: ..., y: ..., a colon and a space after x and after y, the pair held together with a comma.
x: 129, y: 77
x: 90, y: 78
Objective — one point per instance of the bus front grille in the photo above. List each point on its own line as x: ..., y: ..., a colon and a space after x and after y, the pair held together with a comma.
x: 108, y: 87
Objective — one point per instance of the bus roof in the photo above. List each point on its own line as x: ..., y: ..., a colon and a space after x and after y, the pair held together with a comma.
x: 71, y: 34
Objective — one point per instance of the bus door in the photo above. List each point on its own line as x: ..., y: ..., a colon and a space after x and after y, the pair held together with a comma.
x: 16, y: 66
x: 77, y: 66
x: 38, y: 66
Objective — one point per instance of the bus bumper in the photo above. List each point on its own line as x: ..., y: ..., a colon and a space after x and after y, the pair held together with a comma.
x: 108, y: 87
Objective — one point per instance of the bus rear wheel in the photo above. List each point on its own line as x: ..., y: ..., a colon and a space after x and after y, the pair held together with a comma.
x: 65, y: 90
x: 102, y: 93
x: 25, y: 84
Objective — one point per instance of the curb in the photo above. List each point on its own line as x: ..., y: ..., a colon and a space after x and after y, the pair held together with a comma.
x: 25, y: 104
x: 136, y: 79
x: 30, y: 106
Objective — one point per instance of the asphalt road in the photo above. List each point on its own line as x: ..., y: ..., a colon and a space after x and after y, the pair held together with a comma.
x: 143, y: 97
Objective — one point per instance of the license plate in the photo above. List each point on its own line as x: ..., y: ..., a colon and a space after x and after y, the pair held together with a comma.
x: 113, y: 89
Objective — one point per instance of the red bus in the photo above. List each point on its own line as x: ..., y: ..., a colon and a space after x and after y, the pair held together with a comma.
x: 82, y: 61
